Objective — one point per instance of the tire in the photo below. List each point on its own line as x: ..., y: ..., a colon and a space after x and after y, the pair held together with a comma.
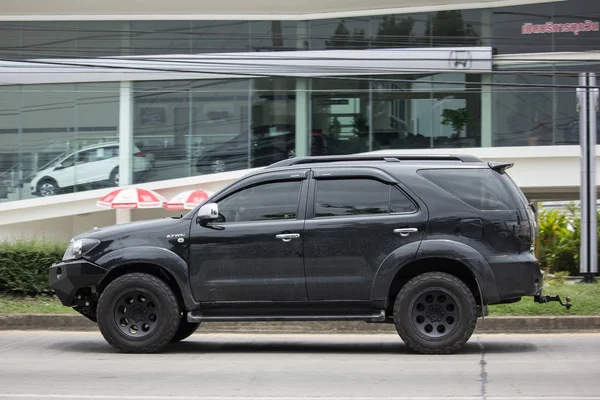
x: 138, y: 313
x: 435, y: 313
x: 185, y: 330
x: 114, y: 178
x: 48, y: 187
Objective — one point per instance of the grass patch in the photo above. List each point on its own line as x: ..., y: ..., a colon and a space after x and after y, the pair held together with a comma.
x: 33, y: 305
x: 584, y: 297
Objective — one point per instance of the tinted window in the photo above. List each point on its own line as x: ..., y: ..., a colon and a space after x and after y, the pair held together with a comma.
x: 271, y: 201
x: 399, y: 203
x: 479, y: 188
x: 358, y: 197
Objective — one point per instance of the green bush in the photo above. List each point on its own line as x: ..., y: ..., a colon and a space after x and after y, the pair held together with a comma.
x: 24, y: 266
x: 559, y: 239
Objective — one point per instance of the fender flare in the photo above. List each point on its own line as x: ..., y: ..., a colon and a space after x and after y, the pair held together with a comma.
x: 441, y: 248
x: 160, y: 257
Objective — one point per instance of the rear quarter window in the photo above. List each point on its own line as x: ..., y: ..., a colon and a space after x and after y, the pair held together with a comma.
x: 480, y: 188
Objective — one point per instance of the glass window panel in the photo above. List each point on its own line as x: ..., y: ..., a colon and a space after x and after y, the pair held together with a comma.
x: 273, y: 35
x: 271, y: 201
x: 400, y: 203
x: 523, y: 116
x: 49, y: 39
x: 576, y: 12
x: 340, y: 115
x: 455, y: 28
x: 220, y: 36
x: 161, y: 37
x: 331, y: 34
x: 396, y: 31
x: 346, y: 197
x: 509, y: 29
x: 273, y: 120
x: 103, y: 38
x: 479, y: 188
x: 10, y: 40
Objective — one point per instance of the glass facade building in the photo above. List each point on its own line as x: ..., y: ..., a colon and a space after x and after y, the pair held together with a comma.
x: 67, y: 133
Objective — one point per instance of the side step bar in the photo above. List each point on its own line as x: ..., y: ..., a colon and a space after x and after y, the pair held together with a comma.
x: 197, y: 316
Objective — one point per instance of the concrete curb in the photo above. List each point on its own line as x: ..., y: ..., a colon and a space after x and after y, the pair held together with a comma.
x: 75, y: 322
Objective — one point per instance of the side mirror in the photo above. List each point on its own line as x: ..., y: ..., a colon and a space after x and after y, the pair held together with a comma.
x: 58, y: 166
x: 207, y: 212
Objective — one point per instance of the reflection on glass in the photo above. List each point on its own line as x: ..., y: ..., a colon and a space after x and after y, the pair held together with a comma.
x: 340, y: 115
x: 220, y: 36
x: 62, y: 139
x: 335, y: 34
x: 527, y: 116
x: 396, y: 31
x: 455, y: 28
x: 161, y: 37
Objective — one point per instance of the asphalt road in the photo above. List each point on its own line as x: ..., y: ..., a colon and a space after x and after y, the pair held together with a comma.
x: 64, y: 365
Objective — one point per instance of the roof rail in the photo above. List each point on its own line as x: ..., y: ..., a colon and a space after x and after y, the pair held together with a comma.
x: 375, y: 157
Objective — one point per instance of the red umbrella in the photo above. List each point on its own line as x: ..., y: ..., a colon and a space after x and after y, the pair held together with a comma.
x: 188, y: 200
x: 132, y: 198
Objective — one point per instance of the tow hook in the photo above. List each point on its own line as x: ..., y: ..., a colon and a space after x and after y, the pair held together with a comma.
x: 547, y: 298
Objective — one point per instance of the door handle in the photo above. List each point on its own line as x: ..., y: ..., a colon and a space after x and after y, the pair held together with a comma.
x: 287, y: 237
x: 405, y: 231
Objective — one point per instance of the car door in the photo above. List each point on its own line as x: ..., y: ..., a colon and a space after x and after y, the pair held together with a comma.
x: 254, y: 251
x: 355, y: 220
x: 96, y: 164
x: 64, y: 172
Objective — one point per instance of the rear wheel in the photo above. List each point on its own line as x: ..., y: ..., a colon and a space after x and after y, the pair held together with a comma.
x: 138, y: 313
x: 114, y: 177
x: 435, y: 313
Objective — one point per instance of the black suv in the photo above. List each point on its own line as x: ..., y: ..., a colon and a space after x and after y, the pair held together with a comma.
x: 423, y: 242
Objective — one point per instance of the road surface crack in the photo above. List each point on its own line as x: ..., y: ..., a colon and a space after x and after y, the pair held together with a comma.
x: 483, y: 375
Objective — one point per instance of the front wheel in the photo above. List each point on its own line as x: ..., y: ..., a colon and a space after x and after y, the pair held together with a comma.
x: 47, y: 188
x: 435, y: 313
x: 138, y: 313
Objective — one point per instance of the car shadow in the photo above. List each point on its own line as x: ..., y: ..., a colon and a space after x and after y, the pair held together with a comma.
x: 197, y: 344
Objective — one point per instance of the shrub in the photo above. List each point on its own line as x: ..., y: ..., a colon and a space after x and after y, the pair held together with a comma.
x: 24, y: 266
x: 559, y: 239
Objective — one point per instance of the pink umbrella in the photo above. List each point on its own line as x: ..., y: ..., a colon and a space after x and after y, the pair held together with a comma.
x: 188, y: 199
x: 132, y: 198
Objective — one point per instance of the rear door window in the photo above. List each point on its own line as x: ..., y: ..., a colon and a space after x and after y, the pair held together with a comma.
x: 479, y: 188
x: 347, y: 197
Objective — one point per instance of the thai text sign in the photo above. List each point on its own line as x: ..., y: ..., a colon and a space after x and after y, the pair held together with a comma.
x: 551, y: 27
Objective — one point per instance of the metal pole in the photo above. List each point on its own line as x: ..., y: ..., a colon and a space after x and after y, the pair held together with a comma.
x: 582, y: 105
x: 587, y: 97
x: 592, y: 192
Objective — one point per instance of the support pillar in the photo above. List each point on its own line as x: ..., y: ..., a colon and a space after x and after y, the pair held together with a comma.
x: 302, y: 126
x: 486, y: 111
x: 125, y: 144
x: 587, y: 97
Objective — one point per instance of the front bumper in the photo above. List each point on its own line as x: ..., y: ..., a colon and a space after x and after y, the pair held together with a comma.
x: 67, y: 278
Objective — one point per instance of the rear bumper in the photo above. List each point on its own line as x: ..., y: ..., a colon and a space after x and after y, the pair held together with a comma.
x: 517, y: 276
x: 67, y: 278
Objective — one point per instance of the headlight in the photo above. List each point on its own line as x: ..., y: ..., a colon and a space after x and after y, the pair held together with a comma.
x: 79, y: 248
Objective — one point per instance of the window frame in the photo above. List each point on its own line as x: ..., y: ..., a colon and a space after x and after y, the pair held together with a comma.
x: 312, y: 201
x: 257, y: 184
x: 497, y: 179
x: 295, y: 174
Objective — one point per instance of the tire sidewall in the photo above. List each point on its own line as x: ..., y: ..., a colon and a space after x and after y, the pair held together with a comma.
x: 465, y: 324
x: 166, y: 304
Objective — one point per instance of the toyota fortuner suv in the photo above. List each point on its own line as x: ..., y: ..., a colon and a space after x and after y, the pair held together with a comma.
x: 422, y: 242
